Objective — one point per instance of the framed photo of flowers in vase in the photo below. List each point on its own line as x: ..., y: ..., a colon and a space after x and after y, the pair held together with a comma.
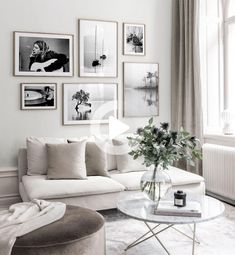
x: 89, y: 103
x: 134, y: 39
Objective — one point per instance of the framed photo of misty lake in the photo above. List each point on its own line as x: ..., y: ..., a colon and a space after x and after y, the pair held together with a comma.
x: 98, y: 48
x: 141, y: 89
x: 133, y: 39
x: 38, y: 96
x: 89, y: 103
x: 43, y: 54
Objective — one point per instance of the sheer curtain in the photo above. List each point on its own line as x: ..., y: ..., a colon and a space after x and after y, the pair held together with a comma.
x: 186, y: 98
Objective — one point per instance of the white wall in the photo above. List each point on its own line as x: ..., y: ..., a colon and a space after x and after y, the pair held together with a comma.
x: 61, y: 16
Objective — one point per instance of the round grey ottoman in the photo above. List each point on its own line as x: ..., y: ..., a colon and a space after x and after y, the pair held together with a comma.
x: 79, y: 232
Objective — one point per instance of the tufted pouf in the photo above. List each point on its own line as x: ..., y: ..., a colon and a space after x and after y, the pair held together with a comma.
x: 79, y: 232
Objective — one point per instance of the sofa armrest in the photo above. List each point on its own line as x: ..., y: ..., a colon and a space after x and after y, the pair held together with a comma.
x: 22, y: 163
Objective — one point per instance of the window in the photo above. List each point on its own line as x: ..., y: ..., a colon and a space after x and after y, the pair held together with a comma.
x: 217, y: 33
x: 229, y: 53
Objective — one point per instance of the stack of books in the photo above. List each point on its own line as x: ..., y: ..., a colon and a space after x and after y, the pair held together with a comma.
x: 167, y: 208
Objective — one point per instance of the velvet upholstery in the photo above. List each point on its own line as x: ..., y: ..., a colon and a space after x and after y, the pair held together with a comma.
x: 77, y: 225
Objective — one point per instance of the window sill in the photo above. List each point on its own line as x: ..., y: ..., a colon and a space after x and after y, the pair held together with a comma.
x: 220, y: 139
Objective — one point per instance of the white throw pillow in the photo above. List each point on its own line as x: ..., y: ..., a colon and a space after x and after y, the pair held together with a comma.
x: 111, y: 162
x: 78, y: 139
x: 37, y: 153
x: 66, y: 161
x: 125, y: 162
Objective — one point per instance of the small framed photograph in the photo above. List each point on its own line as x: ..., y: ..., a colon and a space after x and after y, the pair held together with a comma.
x: 43, y: 54
x: 36, y: 96
x: 134, y: 39
x: 89, y: 103
x: 98, y: 48
x: 141, y: 89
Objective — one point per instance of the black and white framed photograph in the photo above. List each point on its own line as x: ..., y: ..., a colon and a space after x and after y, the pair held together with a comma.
x: 134, y: 39
x: 43, y: 54
x: 98, y: 48
x: 89, y: 103
x: 141, y: 89
x: 36, y: 96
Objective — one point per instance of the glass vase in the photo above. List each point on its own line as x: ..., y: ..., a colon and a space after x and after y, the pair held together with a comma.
x: 155, y: 183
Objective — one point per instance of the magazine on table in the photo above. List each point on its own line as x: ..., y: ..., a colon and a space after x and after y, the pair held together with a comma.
x: 167, y: 208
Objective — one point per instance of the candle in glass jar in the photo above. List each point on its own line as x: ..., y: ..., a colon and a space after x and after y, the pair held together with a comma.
x: 180, y: 198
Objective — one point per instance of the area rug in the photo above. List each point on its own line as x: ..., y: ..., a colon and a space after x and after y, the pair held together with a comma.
x: 217, y: 237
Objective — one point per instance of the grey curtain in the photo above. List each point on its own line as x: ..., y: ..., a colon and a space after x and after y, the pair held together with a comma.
x: 186, y: 109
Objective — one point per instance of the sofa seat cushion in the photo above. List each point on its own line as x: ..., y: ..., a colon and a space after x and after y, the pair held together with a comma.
x: 131, y: 180
x: 41, y: 188
x: 179, y: 177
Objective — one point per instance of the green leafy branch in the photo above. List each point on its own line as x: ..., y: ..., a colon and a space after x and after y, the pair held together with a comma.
x: 161, y: 146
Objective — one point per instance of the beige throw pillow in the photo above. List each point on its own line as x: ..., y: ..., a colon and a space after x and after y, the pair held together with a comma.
x: 125, y: 162
x: 96, y: 160
x: 66, y: 161
x: 37, y: 153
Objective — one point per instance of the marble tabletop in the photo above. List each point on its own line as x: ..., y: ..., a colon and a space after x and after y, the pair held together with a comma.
x: 141, y: 208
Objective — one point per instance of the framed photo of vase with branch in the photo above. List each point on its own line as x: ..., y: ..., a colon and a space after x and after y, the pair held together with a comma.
x: 97, y: 48
x: 89, y: 103
x: 134, y: 39
x: 141, y: 90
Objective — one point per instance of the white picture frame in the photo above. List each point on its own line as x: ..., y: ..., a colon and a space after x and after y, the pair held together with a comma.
x: 133, y: 39
x: 98, y: 48
x: 89, y: 103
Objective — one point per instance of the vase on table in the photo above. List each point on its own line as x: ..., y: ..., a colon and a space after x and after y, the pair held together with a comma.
x: 155, y: 183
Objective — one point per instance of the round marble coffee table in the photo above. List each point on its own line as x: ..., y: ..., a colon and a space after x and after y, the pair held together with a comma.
x: 142, y: 209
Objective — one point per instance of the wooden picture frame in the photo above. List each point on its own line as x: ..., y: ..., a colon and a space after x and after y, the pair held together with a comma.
x: 89, y: 103
x: 98, y: 49
x: 43, y: 54
x: 38, y: 96
x: 141, y: 89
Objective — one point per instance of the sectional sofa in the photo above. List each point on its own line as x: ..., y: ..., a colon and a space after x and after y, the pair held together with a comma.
x: 94, y: 192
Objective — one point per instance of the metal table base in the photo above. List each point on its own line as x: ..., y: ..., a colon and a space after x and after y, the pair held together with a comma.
x: 152, y: 233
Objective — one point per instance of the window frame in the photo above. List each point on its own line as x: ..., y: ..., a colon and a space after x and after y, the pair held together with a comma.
x: 226, y: 22
x: 223, y: 57
x: 206, y: 20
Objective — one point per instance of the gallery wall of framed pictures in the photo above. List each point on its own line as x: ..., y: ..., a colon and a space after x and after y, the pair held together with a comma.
x: 38, y: 54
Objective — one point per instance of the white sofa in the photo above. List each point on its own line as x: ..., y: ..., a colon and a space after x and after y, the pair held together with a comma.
x: 96, y: 192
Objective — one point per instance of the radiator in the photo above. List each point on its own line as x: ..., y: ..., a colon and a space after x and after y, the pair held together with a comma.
x: 219, y: 170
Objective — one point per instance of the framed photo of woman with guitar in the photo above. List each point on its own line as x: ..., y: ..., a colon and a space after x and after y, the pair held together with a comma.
x: 43, y: 54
